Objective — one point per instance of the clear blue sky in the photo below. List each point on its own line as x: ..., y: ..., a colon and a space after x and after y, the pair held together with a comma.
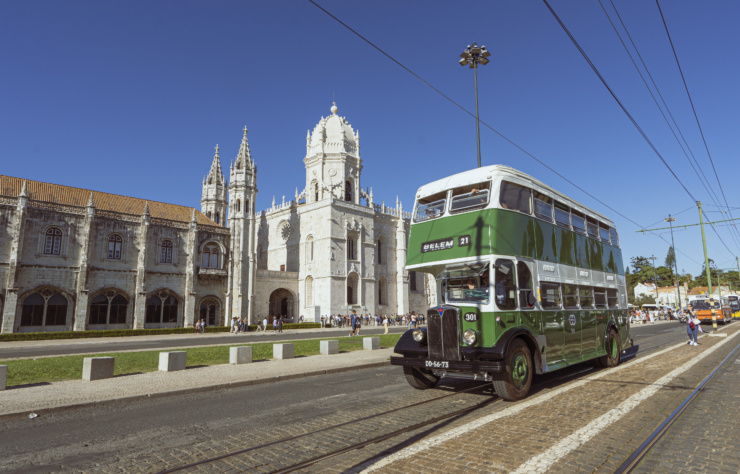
x: 131, y: 97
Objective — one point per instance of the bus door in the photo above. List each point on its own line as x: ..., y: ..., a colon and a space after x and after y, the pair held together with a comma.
x: 527, y: 300
x: 552, y: 323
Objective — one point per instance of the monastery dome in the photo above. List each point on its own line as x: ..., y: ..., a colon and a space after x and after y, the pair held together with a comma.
x: 333, y: 134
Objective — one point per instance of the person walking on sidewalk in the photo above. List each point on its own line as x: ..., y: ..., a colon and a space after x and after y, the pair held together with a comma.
x: 691, y: 326
x: 385, y: 324
x: 353, y: 320
x: 280, y: 324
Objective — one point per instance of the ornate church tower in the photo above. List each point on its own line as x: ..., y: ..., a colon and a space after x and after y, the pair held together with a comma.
x: 213, y: 202
x: 333, y: 163
x: 242, y: 223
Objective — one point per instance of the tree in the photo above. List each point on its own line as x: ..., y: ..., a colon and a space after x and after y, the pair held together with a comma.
x: 670, y: 259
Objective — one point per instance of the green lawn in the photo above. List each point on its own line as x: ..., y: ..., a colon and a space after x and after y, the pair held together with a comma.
x: 52, y: 369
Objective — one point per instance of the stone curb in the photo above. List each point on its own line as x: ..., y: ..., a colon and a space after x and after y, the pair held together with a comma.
x: 243, y: 383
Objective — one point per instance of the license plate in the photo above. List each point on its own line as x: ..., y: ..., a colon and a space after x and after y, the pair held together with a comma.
x: 437, y: 364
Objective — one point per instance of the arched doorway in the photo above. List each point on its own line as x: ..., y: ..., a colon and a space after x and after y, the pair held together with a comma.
x: 210, y: 311
x: 282, y: 304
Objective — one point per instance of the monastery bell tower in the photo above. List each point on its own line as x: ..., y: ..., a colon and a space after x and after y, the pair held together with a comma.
x: 242, y: 223
x: 213, y: 201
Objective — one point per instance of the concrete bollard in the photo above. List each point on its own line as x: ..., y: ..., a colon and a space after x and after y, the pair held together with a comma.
x: 240, y: 355
x: 329, y: 347
x: 371, y: 343
x: 96, y: 368
x: 172, y: 361
x: 3, y: 376
x: 282, y: 351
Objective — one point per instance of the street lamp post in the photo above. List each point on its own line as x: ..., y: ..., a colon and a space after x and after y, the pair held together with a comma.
x: 474, y: 55
x: 670, y: 221
x: 655, y: 279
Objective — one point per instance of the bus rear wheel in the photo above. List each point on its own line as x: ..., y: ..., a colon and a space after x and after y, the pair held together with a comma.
x: 418, y: 379
x: 613, y: 350
x: 517, y: 378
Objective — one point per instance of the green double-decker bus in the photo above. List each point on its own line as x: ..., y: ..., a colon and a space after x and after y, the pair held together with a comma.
x: 528, y: 281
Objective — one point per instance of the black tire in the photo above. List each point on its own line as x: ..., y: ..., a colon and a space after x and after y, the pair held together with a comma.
x: 517, y: 378
x: 613, y: 350
x: 418, y: 379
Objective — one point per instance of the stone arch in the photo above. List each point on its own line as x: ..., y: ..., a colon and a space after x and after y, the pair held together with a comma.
x: 349, y: 190
x: 209, y: 259
x: 313, y: 191
x: 282, y: 303
x: 45, y: 308
x: 353, y: 289
x: 163, y: 309
x: 109, y: 308
x: 210, y: 309
x: 309, y: 249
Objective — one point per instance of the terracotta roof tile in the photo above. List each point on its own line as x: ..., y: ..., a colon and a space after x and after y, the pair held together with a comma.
x: 56, y: 193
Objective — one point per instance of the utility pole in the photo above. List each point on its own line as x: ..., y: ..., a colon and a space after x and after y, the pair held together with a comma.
x: 706, y: 268
x: 670, y: 221
x: 655, y: 279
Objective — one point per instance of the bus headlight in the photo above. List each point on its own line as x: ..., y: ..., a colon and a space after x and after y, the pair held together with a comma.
x: 470, y: 336
x: 418, y: 335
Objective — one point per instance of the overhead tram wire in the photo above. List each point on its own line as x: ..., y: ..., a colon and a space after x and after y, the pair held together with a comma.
x: 705, y: 181
x: 696, y: 116
x: 624, y: 109
x: 515, y: 145
x: 700, y: 173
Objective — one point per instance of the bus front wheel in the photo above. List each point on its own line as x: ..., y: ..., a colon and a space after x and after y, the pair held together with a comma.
x: 517, y: 378
x: 613, y: 350
x: 418, y: 379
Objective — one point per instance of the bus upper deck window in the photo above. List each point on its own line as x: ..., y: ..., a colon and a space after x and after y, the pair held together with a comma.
x: 611, y: 298
x: 505, y: 286
x: 604, y: 232
x: 579, y: 221
x: 586, y: 294
x: 543, y: 206
x: 614, y: 238
x: 470, y: 197
x: 600, y: 297
x: 562, y: 215
x: 515, y: 197
x: 430, y: 207
x: 592, y: 227
x: 570, y: 296
x: 550, y: 293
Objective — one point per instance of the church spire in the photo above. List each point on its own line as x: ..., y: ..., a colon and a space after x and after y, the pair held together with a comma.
x: 244, y: 158
x: 215, y: 175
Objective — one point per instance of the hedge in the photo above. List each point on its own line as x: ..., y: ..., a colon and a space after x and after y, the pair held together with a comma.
x: 39, y: 336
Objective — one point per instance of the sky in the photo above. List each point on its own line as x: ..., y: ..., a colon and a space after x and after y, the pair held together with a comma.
x: 132, y: 97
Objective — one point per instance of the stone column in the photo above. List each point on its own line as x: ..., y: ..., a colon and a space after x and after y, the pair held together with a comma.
x: 140, y: 305
x: 80, y: 315
x: 16, y: 250
x: 402, y: 281
x: 188, y: 318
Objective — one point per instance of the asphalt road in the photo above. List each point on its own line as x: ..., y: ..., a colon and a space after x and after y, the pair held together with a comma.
x: 134, y: 435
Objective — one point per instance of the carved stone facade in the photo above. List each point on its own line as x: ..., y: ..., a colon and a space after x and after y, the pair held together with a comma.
x: 74, y: 259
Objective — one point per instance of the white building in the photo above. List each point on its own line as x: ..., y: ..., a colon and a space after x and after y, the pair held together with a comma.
x: 75, y: 259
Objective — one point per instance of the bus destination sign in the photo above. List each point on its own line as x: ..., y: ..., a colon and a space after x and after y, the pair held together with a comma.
x: 435, y: 245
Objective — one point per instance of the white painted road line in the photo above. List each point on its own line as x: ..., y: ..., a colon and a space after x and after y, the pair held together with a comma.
x: 513, y: 410
x: 543, y: 461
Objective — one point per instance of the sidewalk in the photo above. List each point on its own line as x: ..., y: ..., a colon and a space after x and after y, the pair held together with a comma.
x: 46, y: 398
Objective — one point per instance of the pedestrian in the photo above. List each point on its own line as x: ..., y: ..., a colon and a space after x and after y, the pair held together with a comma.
x: 202, y: 326
x: 691, y: 326
x: 353, y: 319
x: 322, y: 321
x: 280, y: 324
x: 234, y: 327
x: 274, y: 324
x: 385, y: 324
x: 197, y: 327
x: 264, y: 324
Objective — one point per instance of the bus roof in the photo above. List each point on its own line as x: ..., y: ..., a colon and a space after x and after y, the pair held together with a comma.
x: 494, y: 172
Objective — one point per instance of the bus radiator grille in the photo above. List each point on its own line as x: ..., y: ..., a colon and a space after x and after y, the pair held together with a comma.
x: 443, y: 334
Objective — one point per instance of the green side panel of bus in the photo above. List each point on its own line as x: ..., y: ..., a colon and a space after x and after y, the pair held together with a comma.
x: 552, y: 327
x: 502, y: 232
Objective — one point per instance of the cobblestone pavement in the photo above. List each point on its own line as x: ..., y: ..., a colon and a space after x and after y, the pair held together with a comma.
x: 554, y: 423
x: 706, y: 436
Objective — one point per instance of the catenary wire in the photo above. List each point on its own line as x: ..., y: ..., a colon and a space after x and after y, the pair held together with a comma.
x: 485, y: 124
x: 629, y: 116
x: 693, y: 109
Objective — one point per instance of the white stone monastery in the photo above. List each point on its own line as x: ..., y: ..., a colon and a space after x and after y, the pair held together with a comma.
x: 75, y: 259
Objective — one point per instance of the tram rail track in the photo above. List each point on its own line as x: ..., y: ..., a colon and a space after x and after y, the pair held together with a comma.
x: 305, y: 463
x: 632, y: 462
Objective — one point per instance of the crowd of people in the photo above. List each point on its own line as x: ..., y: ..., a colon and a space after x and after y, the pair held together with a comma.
x: 650, y: 316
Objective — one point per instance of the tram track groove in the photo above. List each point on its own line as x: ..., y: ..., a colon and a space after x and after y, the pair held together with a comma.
x: 644, y: 449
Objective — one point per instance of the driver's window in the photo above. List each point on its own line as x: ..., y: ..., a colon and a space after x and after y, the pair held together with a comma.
x: 526, y: 294
x: 505, y: 284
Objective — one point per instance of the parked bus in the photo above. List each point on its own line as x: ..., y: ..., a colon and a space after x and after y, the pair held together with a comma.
x: 528, y: 281
x: 704, y: 311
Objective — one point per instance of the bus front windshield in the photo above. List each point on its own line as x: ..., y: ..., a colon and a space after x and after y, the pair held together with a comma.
x: 466, y: 284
